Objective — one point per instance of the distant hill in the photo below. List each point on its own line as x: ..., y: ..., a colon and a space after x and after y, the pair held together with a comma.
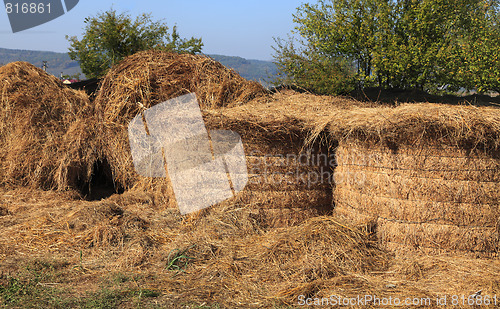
x: 60, y: 62
x: 56, y: 62
x: 257, y: 70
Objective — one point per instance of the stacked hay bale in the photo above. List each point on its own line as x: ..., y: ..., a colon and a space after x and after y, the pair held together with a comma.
x: 47, y: 131
x: 427, y: 175
x: 288, y: 182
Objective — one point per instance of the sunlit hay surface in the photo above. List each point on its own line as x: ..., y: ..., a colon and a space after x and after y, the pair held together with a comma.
x: 151, y: 77
x: 46, y: 130
x: 464, y: 126
x: 228, y: 246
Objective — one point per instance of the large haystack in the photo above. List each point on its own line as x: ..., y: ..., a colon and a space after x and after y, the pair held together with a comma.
x: 273, y: 131
x: 46, y: 130
x: 427, y: 175
x: 148, y: 78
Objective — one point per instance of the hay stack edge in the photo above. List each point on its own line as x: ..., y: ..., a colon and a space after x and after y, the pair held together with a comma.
x: 47, y: 131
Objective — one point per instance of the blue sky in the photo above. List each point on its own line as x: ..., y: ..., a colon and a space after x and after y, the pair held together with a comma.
x: 233, y: 28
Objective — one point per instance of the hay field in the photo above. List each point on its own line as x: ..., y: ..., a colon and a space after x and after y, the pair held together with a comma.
x: 81, y: 229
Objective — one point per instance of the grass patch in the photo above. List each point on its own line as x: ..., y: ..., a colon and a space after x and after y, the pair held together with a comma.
x: 178, y: 260
x: 37, y: 284
x: 42, y: 284
x: 31, y: 293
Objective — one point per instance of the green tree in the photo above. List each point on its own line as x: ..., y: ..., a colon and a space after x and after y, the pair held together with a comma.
x: 427, y: 43
x: 109, y: 37
x: 424, y: 44
x: 314, y: 71
x: 340, y: 35
x: 475, y: 59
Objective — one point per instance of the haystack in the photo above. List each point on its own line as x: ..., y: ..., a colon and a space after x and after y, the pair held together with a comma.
x: 151, y: 77
x: 46, y: 130
x: 272, y: 134
x: 427, y: 175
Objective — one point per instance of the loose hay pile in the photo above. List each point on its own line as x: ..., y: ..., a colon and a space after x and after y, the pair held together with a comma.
x: 226, y: 248
x: 46, y: 130
x: 427, y: 175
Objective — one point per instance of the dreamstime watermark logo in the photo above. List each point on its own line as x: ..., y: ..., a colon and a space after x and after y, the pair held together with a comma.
x: 204, y: 168
x: 26, y: 14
